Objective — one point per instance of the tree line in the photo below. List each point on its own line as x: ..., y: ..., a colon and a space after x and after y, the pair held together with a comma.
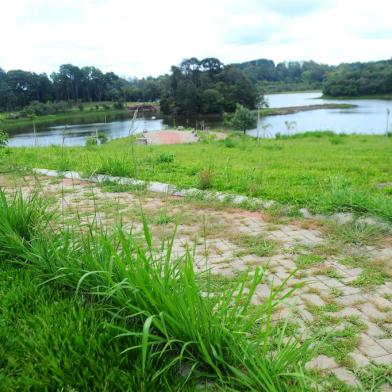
x: 20, y: 88
x: 359, y: 79
x: 194, y: 86
x: 307, y: 73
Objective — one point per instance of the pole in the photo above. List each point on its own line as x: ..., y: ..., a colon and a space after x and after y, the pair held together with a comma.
x: 35, y: 134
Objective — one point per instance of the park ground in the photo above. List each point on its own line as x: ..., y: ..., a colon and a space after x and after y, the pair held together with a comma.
x: 338, y: 260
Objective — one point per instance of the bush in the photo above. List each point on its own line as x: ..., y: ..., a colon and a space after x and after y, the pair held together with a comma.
x: 102, y: 137
x: 3, y: 138
x: 91, y: 141
x: 119, y: 105
x: 165, y: 158
x: 230, y: 143
x: 242, y: 119
x: 36, y: 108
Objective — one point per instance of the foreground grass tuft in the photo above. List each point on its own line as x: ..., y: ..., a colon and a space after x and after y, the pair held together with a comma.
x: 173, y: 330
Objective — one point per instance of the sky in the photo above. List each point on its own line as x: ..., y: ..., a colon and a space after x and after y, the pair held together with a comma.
x: 141, y: 38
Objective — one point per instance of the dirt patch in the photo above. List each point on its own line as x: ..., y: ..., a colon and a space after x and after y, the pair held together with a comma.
x: 170, y: 137
x: 71, y: 182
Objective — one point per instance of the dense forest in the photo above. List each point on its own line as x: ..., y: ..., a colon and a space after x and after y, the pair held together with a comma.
x: 194, y: 86
x: 285, y: 76
x: 206, y: 86
x: 359, y: 79
x: 88, y: 84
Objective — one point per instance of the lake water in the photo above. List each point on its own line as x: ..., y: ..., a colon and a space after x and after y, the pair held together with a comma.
x: 369, y: 117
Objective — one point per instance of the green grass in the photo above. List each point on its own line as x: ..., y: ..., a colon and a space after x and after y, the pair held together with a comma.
x: 308, y: 260
x: 257, y: 245
x: 356, y: 232
x: 309, y: 171
x: 52, y: 341
x: 94, y: 308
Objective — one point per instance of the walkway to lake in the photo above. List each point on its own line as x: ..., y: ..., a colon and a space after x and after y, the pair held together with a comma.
x: 175, y: 137
x: 343, y: 270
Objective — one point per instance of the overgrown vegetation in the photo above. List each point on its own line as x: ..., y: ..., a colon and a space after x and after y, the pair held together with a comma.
x: 152, y: 322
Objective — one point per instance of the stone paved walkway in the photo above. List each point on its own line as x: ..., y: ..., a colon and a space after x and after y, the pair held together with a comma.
x: 347, y: 287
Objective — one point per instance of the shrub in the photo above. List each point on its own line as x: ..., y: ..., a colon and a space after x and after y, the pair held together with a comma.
x: 3, y: 138
x: 91, y: 141
x: 102, y: 137
x: 336, y: 140
x: 242, y: 119
x: 230, y: 143
x: 165, y: 158
x: 119, y: 105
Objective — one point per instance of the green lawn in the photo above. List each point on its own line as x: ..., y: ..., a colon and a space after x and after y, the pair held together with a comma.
x: 321, y: 171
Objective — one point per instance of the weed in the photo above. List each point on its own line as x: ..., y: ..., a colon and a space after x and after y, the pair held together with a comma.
x: 164, y: 218
x: 307, y: 260
x: 115, y: 187
x: 205, y: 179
x: 164, y: 158
x: 356, y: 232
x: 257, y: 245
x: 370, y: 276
x: 333, y: 273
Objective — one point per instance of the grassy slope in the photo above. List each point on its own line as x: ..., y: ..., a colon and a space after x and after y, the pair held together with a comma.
x: 329, y: 173
x: 64, y: 116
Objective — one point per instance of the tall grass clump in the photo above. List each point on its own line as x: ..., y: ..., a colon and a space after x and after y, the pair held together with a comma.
x: 339, y: 194
x: 121, y: 167
x: 20, y: 220
x: 205, y: 179
x: 171, y: 320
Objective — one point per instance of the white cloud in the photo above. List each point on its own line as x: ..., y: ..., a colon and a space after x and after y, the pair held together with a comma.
x: 146, y: 37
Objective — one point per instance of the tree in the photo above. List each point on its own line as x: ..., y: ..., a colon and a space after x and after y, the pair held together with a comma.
x: 242, y: 119
x: 211, y: 101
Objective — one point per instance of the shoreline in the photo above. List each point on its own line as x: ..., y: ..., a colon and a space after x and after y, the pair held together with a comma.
x: 304, y: 108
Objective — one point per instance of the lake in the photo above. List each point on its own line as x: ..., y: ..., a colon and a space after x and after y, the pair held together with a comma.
x: 369, y: 117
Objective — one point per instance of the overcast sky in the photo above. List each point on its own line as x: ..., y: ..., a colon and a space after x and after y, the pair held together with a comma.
x: 141, y: 38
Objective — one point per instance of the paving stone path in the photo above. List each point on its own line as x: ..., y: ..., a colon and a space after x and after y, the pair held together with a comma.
x: 346, y: 285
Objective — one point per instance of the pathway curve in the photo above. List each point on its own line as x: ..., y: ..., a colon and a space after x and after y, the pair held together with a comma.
x: 346, y: 271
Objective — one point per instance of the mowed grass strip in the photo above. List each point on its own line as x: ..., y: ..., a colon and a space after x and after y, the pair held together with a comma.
x: 321, y: 171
